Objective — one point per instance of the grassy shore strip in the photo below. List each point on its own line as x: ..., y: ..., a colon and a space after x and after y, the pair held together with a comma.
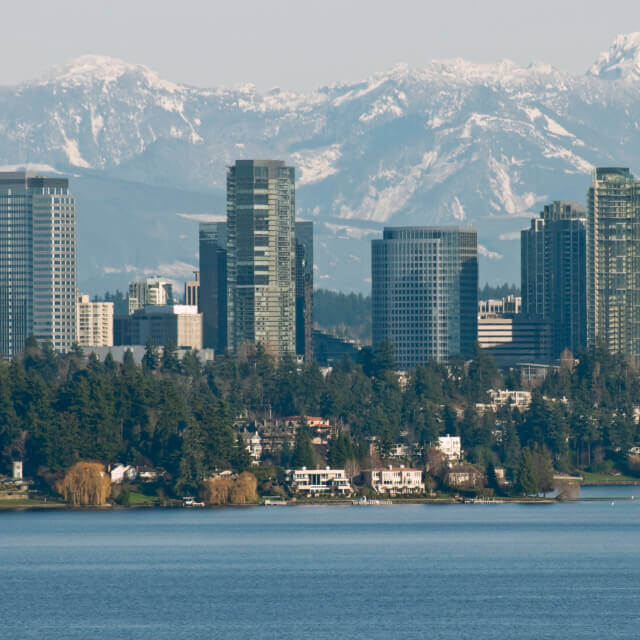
x: 590, y: 479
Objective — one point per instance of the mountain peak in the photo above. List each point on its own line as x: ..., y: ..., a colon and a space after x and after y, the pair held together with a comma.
x: 91, y: 69
x: 621, y: 61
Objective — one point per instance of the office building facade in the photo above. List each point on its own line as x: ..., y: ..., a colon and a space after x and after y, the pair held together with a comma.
x: 212, y: 300
x: 192, y: 290
x: 38, y: 262
x: 553, y: 264
x: 425, y: 292
x: 95, y: 322
x: 613, y: 261
x: 304, y: 289
x: 160, y: 325
x: 261, y: 256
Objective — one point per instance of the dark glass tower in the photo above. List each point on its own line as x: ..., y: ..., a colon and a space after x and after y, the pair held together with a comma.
x: 425, y: 292
x: 261, y: 255
x: 553, y: 264
x: 212, y: 296
x: 304, y: 289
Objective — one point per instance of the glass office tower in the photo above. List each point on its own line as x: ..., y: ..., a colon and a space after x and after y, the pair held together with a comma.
x: 613, y: 261
x: 553, y: 264
x: 425, y: 292
x: 212, y: 296
x: 304, y: 289
x: 38, y: 262
x: 261, y: 255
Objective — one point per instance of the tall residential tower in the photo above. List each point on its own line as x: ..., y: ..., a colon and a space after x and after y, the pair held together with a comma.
x: 553, y: 274
x: 304, y: 289
x: 425, y: 292
x: 261, y: 255
x: 613, y: 261
x: 38, y: 272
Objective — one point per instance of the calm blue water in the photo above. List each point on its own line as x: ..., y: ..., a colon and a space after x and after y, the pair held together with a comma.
x: 469, y: 571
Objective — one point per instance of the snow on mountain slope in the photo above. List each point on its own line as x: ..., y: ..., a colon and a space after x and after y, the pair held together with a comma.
x: 453, y: 142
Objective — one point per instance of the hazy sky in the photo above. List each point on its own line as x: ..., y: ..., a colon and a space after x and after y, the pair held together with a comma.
x: 301, y: 44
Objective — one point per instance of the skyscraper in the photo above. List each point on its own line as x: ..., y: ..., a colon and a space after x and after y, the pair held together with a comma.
x: 95, y: 323
x: 553, y: 268
x: 613, y: 261
x: 261, y: 255
x: 38, y: 272
x: 212, y: 300
x: 425, y: 292
x: 304, y: 289
x: 151, y: 290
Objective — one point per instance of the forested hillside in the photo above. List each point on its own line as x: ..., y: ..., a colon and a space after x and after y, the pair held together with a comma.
x: 179, y: 416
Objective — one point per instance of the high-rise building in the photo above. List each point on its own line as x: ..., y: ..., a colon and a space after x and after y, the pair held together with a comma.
x: 304, y: 289
x: 212, y: 300
x: 261, y: 255
x: 613, y: 261
x: 553, y: 264
x: 425, y: 292
x: 95, y: 322
x: 38, y: 262
x: 151, y: 290
x: 192, y: 290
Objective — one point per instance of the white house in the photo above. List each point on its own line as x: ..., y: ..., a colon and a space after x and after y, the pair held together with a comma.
x: 450, y: 446
x: 395, y: 480
x: 123, y: 473
x: 314, y: 481
x: 253, y: 443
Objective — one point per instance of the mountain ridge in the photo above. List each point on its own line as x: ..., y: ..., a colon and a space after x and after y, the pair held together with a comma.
x: 451, y: 142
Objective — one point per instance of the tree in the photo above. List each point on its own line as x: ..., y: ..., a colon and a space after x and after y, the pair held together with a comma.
x: 304, y: 454
x: 170, y: 360
x: 150, y: 358
x: 526, y: 475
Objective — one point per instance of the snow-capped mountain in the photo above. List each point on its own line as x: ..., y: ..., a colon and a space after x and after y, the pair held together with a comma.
x: 453, y: 142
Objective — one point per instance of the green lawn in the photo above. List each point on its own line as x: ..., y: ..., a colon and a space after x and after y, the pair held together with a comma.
x: 135, y: 497
x: 607, y: 478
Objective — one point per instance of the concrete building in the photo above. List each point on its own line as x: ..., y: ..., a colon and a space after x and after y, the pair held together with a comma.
x: 261, y: 255
x: 553, y: 264
x: 138, y: 350
x: 395, y: 480
x: 161, y: 324
x: 149, y: 291
x: 613, y: 266
x: 95, y: 322
x: 304, y: 289
x: 425, y: 292
x: 450, y: 446
x: 38, y: 262
x: 192, y: 290
x: 317, y: 481
x: 212, y: 302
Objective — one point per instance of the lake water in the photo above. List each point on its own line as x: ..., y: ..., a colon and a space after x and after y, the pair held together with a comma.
x: 460, y: 571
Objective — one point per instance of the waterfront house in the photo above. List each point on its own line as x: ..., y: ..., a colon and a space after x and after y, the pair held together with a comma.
x: 395, y: 480
x: 123, y: 473
x: 319, y: 481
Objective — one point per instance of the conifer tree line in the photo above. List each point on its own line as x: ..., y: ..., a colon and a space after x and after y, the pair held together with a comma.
x: 178, y: 415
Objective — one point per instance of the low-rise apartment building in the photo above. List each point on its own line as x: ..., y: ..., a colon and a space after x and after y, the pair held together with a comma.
x: 395, y: 480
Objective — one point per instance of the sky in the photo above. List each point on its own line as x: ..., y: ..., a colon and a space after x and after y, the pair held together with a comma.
x: 300, y: 44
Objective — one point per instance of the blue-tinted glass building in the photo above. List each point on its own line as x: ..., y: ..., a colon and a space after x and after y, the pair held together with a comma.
x: 425, y: 292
